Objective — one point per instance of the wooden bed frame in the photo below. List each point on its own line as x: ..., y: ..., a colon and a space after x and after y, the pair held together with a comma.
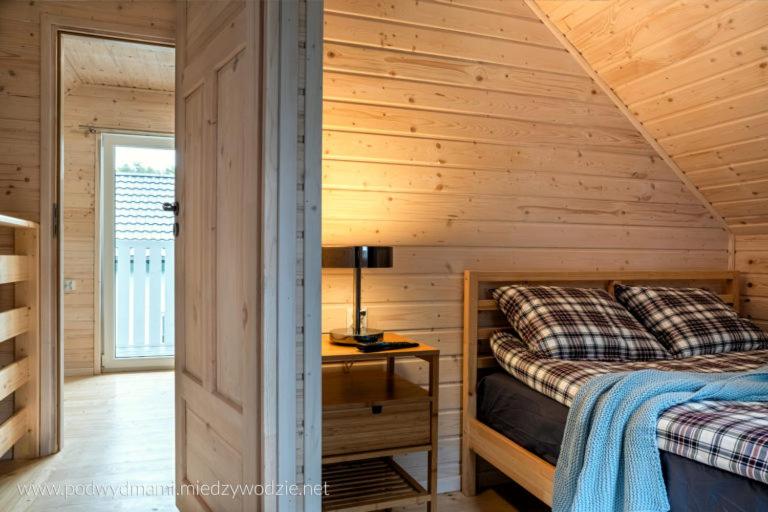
x: 482, y: 318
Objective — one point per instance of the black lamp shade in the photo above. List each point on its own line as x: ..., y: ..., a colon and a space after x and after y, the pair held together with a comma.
x: 358, y: 256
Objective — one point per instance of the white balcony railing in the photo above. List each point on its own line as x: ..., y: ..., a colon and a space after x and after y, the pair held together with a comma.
x: 144, y: 298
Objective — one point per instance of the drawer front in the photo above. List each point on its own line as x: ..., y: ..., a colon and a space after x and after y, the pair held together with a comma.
x: 375, y: 428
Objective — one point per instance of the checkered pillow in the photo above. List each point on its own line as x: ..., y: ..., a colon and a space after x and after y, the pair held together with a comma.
x: 574, y: 323
x: 690, y: 321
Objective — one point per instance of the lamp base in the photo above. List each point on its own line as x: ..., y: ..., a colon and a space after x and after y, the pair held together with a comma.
x: 350, y: 337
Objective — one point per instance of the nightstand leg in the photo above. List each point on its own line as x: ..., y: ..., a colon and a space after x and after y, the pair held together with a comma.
x: 432, y: 467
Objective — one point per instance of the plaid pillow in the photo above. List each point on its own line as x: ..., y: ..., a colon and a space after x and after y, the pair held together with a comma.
x: 575, y: 323
x: 690, y: 321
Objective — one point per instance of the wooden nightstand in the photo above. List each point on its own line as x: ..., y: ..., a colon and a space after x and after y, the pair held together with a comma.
x: 370, y: 414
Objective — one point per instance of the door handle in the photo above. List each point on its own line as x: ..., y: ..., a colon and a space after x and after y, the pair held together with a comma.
x: 171, y: 207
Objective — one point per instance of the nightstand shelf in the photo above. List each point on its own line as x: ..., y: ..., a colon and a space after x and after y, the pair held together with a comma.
x: 371, y: 414
x: 372, y: 484
x: 365, y: 386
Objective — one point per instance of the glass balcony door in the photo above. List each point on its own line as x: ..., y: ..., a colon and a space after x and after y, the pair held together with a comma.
x: 138, y: 176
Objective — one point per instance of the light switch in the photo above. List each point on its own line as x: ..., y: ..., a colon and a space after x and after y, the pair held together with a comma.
x: 69, y: 285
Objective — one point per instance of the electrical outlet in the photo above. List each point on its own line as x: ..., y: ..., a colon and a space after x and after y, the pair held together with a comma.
x: 363, y: 319
x: 69, y: 285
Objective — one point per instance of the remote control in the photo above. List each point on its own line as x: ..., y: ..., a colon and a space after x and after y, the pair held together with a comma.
x: 385, y: 345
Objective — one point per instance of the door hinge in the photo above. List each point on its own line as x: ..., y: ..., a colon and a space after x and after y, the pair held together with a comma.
x: 55, y: 220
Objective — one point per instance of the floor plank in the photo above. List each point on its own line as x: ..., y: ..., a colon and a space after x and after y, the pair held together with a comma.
x: 488, y: 501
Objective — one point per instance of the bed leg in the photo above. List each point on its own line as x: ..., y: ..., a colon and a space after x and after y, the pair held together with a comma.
x: 468, y: 470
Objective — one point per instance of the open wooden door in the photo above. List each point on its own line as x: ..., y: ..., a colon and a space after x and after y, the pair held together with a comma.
x: 219, y: 169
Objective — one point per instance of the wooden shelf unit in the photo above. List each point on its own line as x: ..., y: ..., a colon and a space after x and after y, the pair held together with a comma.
x: 19, y: 325
x: 370, y: 415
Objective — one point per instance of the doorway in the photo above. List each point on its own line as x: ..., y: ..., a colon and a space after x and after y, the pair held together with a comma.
x: 117, y: 170
x: 137, y: 236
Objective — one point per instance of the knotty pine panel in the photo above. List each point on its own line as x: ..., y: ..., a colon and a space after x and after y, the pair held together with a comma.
x: 484, y: 161
x: 447, y: 126
x: 363, y: 148
x: 446, y: 98
x: 363, y: 31
x: 467, y: 204
x: 523, y: 29
x: 752, y: 261
x: 467, y: 73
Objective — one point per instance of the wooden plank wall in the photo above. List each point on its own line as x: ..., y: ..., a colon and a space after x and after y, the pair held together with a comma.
x: 20, y: 87
x: 752, y: 260
x: 465, y: 135
x: 20, y: 101
x: 119, y: 108
x: 20, y: 83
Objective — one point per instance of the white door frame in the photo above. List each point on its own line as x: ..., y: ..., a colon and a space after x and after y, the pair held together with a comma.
x: 106, y: 250
x: 312, y: 221
x: 282, y: 164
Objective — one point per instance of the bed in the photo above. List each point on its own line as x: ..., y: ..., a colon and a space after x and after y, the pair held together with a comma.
x: 517, y: 423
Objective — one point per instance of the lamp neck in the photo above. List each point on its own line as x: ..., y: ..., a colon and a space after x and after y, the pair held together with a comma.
x: 358, y: 283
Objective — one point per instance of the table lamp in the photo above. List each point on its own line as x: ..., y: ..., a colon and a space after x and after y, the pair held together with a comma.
x: 357, y: 257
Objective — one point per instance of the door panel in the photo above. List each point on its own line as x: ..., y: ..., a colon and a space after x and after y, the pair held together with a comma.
x: 232, y: 186
x: 194, y: 232
x: 218, y: 248
x: 211, y: 459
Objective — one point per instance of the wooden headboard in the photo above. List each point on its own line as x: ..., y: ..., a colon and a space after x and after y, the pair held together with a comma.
x: 482, y: 318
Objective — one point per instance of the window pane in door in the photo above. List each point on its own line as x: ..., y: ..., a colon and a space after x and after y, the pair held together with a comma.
x: 144, y: 251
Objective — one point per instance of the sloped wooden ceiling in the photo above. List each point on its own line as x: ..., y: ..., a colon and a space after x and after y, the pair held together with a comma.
x: 695, y: 74
x: 110, y: 62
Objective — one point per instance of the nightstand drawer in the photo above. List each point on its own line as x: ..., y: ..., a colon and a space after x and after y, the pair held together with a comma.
x: 362, y: 429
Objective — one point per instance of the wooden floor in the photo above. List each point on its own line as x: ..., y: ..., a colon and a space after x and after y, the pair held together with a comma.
x: 119, y: 428
x: 488, y: 501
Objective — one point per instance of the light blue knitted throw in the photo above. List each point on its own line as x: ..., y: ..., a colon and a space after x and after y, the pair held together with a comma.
x: 609, y: 460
